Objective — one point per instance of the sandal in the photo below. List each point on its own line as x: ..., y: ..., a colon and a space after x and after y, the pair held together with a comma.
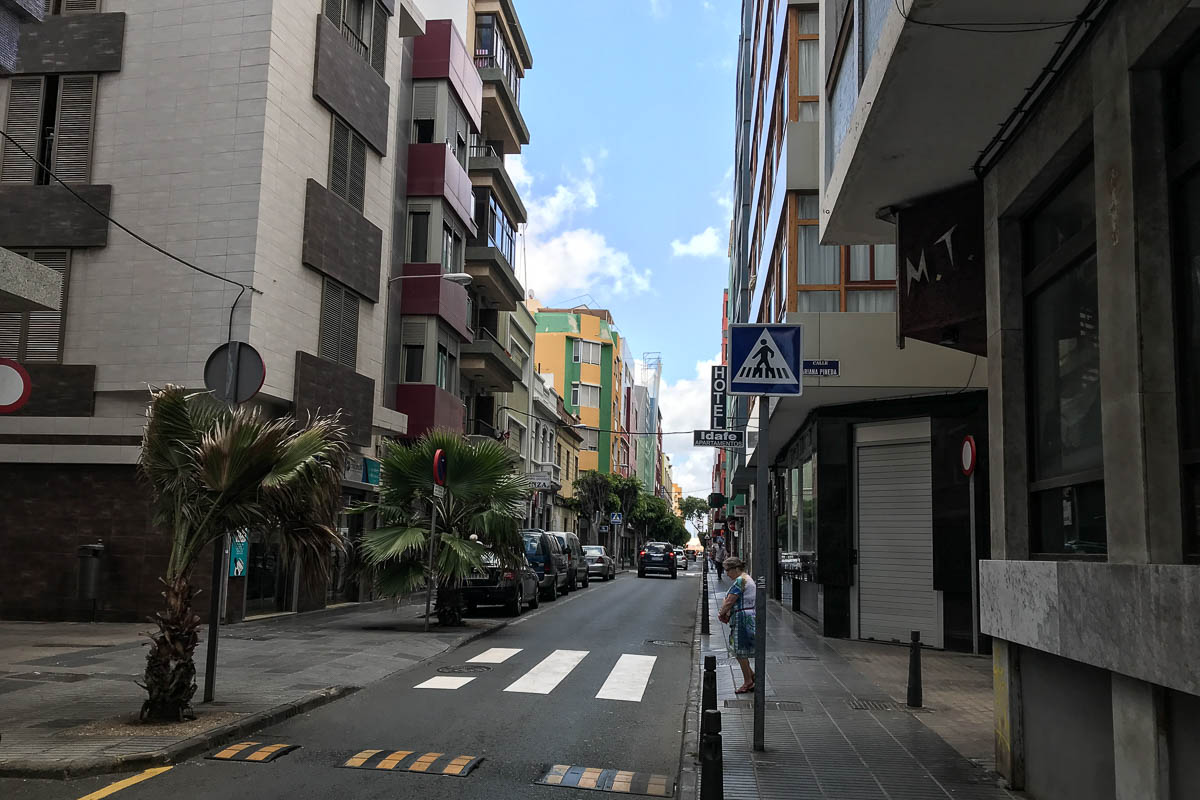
x: 744, y: 689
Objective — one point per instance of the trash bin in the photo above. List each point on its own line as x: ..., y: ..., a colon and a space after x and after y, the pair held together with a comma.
x: 90, y: 556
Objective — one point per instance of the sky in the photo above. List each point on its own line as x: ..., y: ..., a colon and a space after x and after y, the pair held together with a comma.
x: 627, y: 181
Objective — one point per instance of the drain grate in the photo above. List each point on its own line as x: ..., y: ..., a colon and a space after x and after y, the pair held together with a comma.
x: 463, y: 669
x: 792, y: 659
x: 859, y: 704
x: 770, y: 705
x: 667, y: 643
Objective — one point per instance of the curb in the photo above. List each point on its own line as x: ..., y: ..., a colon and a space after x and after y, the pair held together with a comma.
x: 185, y: 749
x: 689, y: 756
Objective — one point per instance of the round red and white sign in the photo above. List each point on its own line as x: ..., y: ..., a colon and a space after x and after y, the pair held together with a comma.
x: 15, y: 386
x: 968, y: 455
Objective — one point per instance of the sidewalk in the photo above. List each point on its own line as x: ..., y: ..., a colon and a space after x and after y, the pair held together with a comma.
x: 68, y: 697
x: 837, y: 734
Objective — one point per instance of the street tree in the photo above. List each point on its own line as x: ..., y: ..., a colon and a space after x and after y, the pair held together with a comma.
x: 694, y: 510
x: 592, y: 489
x: 482, y: 510
x: 654, y: 516
x: 626, y: 490
x: 213, y: 471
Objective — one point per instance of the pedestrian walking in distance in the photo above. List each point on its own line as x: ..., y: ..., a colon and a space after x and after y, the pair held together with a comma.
x: 738, y: 613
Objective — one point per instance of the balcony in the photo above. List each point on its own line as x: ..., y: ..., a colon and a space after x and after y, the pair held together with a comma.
x: 429, y: 406
x: 488, y: 364
x: 434, y: 297
x: 486, y: 168
x: 433, y: 171
x: 489, y: 255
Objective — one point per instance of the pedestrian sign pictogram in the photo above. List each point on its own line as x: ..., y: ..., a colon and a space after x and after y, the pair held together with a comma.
x: 765, y: 360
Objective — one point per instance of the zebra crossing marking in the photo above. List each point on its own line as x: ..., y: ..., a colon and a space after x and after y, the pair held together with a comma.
x: 549, y: 673
x: 628, y: 679
x: 494, y: 655
x: 444, y: 682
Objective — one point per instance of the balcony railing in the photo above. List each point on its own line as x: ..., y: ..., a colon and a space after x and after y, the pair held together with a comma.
x: 483, y: 151
x: 505, y: 65
x: 358, y: 44
x: 477, y: 427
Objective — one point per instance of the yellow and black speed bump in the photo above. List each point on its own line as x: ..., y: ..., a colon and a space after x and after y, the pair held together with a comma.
x: 253, y: 752
x: 413, y: 761
x: 609, y: 780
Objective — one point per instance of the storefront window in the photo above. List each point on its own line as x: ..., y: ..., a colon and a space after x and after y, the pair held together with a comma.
x: 1063, y: 363
x: 808, y: 505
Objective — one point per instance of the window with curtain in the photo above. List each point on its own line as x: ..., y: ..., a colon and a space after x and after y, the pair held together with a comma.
x: 587, y: 352
x: 818, y: 301
x: 818, y: 265
x: 871, y: 300
x: 585, y: 395
x: 1067, y: 514
x: 443, y: 368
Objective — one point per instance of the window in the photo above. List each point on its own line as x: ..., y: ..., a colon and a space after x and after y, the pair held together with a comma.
x: 502, y: 234
x: 452, y: 250
x: 591, y: 441
x: 585, y: 394
x: 338, y: 337
x: 808, y: 50
x: 364, y: 25
x: 64, y: 7
x: 414, y: 363
x: 418, y: 237
x: 1184, y: 128
x: 586, y: 352
x: 347, y: 164
x: 492, y: 51
x: 423, y: 131
x: 519, y: 352
x: 37, y: 336
x: 443, y: 368
x: 51, y: 117
x: 576, y: 466
x: 1063, y: 362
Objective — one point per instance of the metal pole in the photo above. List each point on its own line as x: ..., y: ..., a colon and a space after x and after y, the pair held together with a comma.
x: 974, y: 571
x: 429, y: 582
x: 712, y: 765
x: 761, y: 565
x: 704, y: 621
x: 915, y: 695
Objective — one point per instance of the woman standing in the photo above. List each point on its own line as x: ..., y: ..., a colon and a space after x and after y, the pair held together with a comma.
x: 738, y: 612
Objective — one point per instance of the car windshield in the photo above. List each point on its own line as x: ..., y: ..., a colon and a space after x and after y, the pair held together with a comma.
x: 656, y: 548
x: 532, y: 540
x: 593, y: 550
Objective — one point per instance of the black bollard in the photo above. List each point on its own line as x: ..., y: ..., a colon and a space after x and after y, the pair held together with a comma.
x: 914, y: 671
x: 708, y: 689
x: 705, y: 629
x: 712, y: 765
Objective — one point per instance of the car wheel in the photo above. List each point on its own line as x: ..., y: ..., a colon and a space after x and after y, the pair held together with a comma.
x: 517, y: 604
x: 641, y: 573
x: 674, y: 574
x: 535, y: 601
x: 586, y: 580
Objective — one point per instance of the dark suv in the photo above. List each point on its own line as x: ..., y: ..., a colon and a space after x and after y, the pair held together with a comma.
x: 495, y: 585
x: 548, y: 560
x: 657, y: 557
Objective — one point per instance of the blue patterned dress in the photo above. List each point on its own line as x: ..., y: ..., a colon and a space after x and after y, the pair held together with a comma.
x: 741, y: 620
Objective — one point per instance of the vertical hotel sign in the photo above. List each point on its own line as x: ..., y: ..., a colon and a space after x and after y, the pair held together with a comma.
x: 720, y: 388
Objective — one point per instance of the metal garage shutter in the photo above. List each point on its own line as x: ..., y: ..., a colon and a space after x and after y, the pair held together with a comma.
x: 895, y: 544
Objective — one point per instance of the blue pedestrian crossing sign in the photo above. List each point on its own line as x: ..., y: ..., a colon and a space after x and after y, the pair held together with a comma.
x: 765, y: 360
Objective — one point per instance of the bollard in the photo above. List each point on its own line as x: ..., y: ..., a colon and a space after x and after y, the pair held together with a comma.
x: 705, y: 629
x: 712, y: 766
x: 708, y: 693
x: 914, y: 671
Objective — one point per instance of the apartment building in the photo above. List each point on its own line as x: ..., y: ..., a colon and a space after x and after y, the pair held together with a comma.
x: 1065, y: 161
x: 566, y: 453
x: 879, y: 425
x: 255, y: 140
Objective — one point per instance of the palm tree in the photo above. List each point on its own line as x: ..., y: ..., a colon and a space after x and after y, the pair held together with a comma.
x: 214, y: 471
x: 482, y: 509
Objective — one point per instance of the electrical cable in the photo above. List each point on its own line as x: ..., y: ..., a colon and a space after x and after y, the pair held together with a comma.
x: 986, y: 27
x: 582, y: 427
x: 140, y: 238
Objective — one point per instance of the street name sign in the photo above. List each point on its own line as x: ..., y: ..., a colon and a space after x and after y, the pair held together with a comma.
x: 765, y: 360
x: 822, y: 368
x: 734, y: 440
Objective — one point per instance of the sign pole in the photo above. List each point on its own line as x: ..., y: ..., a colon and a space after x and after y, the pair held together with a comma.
x: 432, y: 539
x: 762, y: 541
x: 974, y: 570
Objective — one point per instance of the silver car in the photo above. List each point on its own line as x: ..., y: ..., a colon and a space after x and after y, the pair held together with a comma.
x: 599, y: 562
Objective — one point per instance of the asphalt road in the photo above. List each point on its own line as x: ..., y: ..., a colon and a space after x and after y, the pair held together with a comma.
x: 600, y: 637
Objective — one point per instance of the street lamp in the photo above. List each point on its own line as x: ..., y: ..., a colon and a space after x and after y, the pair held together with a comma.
x: 461, y: 278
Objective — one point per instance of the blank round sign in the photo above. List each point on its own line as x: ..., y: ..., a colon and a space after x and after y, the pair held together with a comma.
x: 968, y: 455
x: 15, y: 386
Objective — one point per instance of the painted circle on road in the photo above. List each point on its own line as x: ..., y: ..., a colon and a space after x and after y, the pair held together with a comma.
x: 15, y: 386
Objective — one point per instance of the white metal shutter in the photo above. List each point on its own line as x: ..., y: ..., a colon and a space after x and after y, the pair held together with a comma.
x: 895, y: 544
x: 10, y: 334
x: 80, y: 6
x: 23, y: 124
x: 339, y: 160
x: 379, y: 39
x: 413, y: 333
x: 425, y: 101
x: 72, y: 159
x: 44, y: 329
x: 357, y: 180
x: 333, y: 10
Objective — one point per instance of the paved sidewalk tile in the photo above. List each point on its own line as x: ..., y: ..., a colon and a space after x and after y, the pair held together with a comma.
x: 841, y: 735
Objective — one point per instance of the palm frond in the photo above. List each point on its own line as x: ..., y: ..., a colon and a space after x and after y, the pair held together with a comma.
x: 386, y: 544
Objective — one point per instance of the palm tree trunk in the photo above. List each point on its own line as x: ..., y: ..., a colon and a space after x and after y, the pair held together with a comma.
x: 170, y: 679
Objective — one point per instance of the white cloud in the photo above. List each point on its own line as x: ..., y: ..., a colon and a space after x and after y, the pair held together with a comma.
x: 705, y: 244
x: 559, y: 259
x: 685, y: 408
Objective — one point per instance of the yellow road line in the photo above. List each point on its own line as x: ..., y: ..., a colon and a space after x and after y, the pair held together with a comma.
x: 233, y: 750
x: 361, y: 758
x: 424, y: 762
x: 657, y: 785
x: 113, y: 788
x: 622, y: 782
x: 456, y: 766
x: 589, y: 777
x: 264, y: 753
x: 556, y: 773
x: 395, y: 758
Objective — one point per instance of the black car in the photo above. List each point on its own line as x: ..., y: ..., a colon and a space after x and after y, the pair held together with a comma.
x: 577, y: 567
x: 511, y: 587
x: 548, y: 560
x: 658, y: 557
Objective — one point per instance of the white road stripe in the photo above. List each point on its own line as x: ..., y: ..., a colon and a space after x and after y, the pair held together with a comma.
x: 444, y: 682
x: 628, y: 678
x: 548, y: 673
x: 495, y: 655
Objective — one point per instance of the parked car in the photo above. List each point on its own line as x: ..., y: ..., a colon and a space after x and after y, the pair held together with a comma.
x: 577, y: 568
x: 657, y: 557
x: 599, y: 562
x: 681, y: 557
x: 496, y: 585
x: 549, y: 561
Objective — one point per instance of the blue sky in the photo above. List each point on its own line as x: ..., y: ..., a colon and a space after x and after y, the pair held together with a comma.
x: 627, y: 180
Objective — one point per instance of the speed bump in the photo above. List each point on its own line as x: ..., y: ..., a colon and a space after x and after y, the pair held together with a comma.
x: 609, y: 780
x: 253, y: 752
x: 413, y: 761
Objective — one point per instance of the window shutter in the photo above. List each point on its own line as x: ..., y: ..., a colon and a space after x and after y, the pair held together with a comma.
x: 10, y: 334
x: 339, y: 159
x: 331, y: 312
x: 348, y: 341
x: 44, y: 329
x: 357, y: 181
x: 80, y: 6
x: 22, y: 124
x: 379, y: 39
x: 425, y: 101
x: 72, y: 159
x: 413, y: 333
x: 333, y: 10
